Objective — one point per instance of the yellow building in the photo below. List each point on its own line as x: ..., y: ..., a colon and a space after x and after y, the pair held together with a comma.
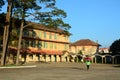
x: 86, y: 46
x: 40, y: 43
x: 81, y: 48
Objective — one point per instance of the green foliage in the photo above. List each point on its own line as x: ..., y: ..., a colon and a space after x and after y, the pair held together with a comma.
x: 115, y: 46
x: 43, y: 11
x: 1, y: 4
x: 80, y: 52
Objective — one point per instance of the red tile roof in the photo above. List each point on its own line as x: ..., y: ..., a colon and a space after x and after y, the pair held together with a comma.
x: 47, y: 52
x: 32, y: 51
x: 85, y: 42
x: 45, y: 28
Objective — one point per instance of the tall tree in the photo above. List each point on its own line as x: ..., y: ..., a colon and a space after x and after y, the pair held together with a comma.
x: 2, y: 20
x: 6, y: 32
x: 22, y: 8
x: 115, y: 47
x: 41, y: 11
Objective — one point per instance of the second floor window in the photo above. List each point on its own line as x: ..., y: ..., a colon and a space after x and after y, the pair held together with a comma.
x: 26, y: 33
x: 55, y: 46
x: 45, y: 45
x: 33, y: 34
x: 50, y: 36
x: 27, y: 43
x: 51, y: 45
x: 55, y: 36
x: 40, y: 34
x: 44, y: 34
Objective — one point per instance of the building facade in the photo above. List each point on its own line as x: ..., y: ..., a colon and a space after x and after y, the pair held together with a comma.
x: 40, y: 43
x: 86, y: 46
x: 83, y: 47
x: 103, y: 50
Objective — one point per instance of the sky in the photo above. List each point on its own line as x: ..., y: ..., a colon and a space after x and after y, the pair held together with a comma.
x: 97, y: 20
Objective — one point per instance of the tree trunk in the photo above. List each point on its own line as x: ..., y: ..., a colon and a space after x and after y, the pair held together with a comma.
x: 6, y: 33
x: 19, y: 42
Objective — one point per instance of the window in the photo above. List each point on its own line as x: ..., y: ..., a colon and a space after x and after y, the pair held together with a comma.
x: 45, y: 45
x: 44, y: 34
x: 55, y: 36
x: 50, y: 35
x: 40, y: 34
x: 33, y: 34
x: 51, y: 45
x: 27, y: 43
x: 39, y: 44
x: 55, y: 46
x: 26, y: 33
x: 33, y: 44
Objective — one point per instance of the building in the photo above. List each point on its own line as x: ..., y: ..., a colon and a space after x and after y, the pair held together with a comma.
x: 82, y: 47
x: 40, y: 43
x: 103, y: 50
x: 86, y: 46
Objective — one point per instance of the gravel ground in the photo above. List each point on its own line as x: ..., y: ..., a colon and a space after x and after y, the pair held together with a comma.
x: 61, y: 71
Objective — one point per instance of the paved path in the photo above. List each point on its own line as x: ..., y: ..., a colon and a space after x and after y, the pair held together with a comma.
x: 62, y: 71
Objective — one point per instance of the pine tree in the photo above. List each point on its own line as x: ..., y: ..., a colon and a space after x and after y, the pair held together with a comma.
x: 41, y: 11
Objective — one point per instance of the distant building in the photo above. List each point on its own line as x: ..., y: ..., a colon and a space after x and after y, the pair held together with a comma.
x: 86, y: 46
x: 103, y: 50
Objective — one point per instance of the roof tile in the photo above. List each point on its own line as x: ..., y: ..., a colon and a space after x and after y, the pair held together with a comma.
x: 85, y: 42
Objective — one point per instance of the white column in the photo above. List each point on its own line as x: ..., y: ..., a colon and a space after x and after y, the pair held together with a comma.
x: 35, y: 58
x: 52, y: 58
x: 47, y: 58
x: 27, y: 58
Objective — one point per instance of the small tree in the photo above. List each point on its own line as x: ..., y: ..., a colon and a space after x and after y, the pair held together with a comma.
x: 80, y: 52
x: 115, y: 47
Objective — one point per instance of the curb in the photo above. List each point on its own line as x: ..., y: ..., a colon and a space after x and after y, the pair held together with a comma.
x: 19, y: 67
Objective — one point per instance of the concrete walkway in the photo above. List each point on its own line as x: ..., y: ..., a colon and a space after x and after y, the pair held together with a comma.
x: 62, y: 71
x: 25, y: 66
